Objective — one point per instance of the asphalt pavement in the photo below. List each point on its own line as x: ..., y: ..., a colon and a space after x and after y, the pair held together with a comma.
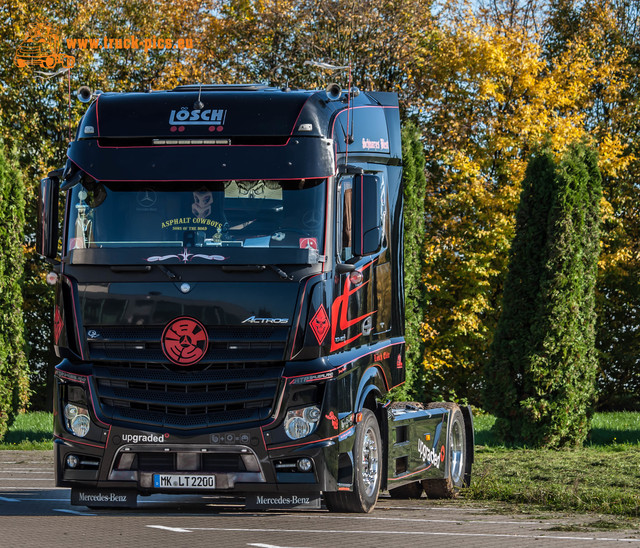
x: 33, y: 512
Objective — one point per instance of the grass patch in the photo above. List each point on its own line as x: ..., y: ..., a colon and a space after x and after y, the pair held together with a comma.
x: 602, y: 477
x: 611, y: 428
x: 30, y: 431
x: 597, y: 525
x: 615, y: 428
x: 592, y: 479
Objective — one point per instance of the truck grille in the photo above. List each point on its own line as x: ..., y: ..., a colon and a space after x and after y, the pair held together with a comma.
x: 190, y: 400
x: 235, y: 383
x: 226, y: 344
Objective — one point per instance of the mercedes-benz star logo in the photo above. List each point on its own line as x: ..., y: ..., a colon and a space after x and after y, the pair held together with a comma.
x: 147, y: 197
x: 311, y: 218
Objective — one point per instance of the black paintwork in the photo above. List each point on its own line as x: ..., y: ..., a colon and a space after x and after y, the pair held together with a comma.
x: 112, y: 310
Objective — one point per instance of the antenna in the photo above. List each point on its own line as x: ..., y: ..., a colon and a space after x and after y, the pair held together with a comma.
x: 199, y: 105
x: 326, y: 66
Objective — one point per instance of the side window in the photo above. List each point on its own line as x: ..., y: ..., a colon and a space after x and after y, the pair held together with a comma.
x: 345, y: 219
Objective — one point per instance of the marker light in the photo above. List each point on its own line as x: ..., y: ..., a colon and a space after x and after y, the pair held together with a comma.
x: 52, y: 278
x: 174, y: 142
x: 355, y: 277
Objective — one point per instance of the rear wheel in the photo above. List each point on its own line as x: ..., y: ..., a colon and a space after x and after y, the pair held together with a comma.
x: 455, y: 456
x: 367, y: 452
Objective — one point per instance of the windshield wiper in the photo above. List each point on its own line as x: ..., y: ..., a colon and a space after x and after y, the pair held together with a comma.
x: 279, y: 272
x: 256, y: 268
x: 169, y: 273
x: 146, y: 268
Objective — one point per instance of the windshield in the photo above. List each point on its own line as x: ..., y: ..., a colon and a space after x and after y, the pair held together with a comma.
x: 222, y: 214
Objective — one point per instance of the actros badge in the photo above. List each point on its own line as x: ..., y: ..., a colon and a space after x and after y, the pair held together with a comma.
x: 185, y: 341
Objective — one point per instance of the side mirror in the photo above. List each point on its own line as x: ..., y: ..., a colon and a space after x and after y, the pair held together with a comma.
x: 47, y: 236
x: 368, y: 214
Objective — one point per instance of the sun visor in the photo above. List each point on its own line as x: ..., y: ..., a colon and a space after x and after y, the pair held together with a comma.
x: 190, y: 114
x: 298, y: 158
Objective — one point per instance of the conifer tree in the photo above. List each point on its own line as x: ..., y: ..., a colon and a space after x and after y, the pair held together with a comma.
x: 14, y: 383
x: 414, y: 184
x: 540, y: 379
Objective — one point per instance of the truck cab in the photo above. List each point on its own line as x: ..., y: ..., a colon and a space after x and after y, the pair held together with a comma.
x: 229, y: 295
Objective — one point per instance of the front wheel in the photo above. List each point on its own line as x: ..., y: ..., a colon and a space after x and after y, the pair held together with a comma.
x: 367, y: 453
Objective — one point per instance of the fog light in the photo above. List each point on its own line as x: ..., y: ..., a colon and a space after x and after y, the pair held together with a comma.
x: 80, y: 425
x: 304, y: 464
x: 301, y: 422
x: 72, y: 461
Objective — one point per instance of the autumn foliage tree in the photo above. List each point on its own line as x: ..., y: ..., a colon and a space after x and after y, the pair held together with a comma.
x: 485, y: 82
x: 491, y: 98
x: 540, y: 380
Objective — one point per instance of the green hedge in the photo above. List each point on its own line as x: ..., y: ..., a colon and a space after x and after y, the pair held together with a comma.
x: 14, y: 384
x: 540, y: 380
x: 414, y: 188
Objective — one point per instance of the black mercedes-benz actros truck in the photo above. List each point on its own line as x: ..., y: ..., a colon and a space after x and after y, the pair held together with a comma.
x: 229, y: 303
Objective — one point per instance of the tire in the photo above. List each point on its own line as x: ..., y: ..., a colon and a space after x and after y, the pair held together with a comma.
x: 455, y: 459
x: 409, y: 491
x: 367, y: 452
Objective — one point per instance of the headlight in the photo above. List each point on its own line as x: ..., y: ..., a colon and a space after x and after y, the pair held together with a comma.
x: 301, y: 422
x: 70, y: 411
x: 77, y: 419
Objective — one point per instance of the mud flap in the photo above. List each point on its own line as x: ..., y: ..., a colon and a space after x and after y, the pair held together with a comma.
x: 471, y: 443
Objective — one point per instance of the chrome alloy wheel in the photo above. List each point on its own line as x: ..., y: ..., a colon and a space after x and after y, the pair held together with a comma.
x: 370, y: 462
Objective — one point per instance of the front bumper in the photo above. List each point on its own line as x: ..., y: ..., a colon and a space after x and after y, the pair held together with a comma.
x: 242, y: 459
x: 237, y: 468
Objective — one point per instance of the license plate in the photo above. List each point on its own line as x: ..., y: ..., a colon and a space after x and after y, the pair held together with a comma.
x: 180, y: 481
